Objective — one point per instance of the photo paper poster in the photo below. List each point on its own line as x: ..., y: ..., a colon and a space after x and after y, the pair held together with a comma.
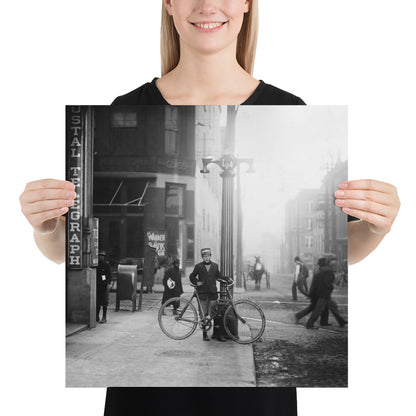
x: 204, y: 247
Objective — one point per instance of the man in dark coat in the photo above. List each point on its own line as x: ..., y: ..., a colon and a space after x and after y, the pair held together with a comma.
x: 314, y: 292
x: 322, y: 293
x: 103, y: 282
x: 172, y: 283
x: 205, y: 276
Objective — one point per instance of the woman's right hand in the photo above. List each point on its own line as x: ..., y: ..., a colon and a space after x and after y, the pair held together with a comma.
x: 44, y: 201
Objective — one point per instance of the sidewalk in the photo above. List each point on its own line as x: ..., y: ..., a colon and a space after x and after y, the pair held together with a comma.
x: 131, y: 350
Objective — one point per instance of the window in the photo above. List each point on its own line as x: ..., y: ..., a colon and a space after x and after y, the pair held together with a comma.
x: 112, y: 195
x: 171, y: 142
x: 171, y: 117
x: 127, y: 119
x: 308, y: 241
x: 174, y: 199
x: 171, y: 130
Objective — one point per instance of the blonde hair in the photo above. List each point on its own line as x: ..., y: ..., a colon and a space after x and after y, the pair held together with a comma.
x: 246, y: 41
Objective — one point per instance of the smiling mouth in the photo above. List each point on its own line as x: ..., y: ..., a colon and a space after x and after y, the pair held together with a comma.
x: 209, y: 25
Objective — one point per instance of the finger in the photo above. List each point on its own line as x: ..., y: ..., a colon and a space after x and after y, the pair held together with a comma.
x: 369, y: 184
x: 380, y: 222
x: 41, y: 206
x: 49, y: 183
x: 365, y: 195
x: 367, y: 206
x: 36, y: 220
x: 38, y: 195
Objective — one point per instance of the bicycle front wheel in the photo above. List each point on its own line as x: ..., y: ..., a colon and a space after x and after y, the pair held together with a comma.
x: 178, y: 318
x: 244, y: 322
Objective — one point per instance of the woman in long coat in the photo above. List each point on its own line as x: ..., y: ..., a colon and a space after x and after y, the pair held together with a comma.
x: 172, y: 282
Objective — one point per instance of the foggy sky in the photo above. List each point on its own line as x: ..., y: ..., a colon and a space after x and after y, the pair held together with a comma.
x: 292, y: 146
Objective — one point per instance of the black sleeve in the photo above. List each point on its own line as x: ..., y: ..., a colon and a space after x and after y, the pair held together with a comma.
x: 165, y: 278
x: 192, y: 276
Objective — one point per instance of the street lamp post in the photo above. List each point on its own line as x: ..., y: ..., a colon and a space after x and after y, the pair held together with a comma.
x: 227, y: 164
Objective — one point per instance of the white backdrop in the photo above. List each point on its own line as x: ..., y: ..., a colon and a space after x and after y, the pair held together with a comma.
x: 358, y: 53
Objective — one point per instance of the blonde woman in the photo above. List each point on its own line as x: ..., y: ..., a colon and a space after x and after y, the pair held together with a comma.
x: 207, y: 52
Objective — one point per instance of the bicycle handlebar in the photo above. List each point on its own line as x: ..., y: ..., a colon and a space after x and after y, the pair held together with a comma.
x: 227, y: 282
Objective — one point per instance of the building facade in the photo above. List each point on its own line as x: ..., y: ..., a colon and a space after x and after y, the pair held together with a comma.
x: 315, y: 226
x: 144, y: 180
x: 147, y: 181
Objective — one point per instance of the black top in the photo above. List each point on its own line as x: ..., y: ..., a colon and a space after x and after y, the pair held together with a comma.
x: 264, y: 94
x: 201, y: 401
x: 207, y: 276
x: 322, y: 284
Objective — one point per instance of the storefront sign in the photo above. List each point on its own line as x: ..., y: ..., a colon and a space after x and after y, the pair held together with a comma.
x: 157, y: 241
x: 75, y: 137
x: 145, y: 164
x: 177, y: 165
x: 155, y: 246
x: 125, y: 164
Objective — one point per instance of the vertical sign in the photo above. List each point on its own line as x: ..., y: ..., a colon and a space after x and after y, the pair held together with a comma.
x: 94, y: 242
x: 74, y: 173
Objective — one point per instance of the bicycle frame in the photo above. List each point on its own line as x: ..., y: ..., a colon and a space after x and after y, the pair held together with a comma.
x: 221, y: 307
x: 230, y: 311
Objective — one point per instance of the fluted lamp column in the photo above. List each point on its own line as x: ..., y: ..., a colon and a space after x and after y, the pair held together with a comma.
x: 227, y: 164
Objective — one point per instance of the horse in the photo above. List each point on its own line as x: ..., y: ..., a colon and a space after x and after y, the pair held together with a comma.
x: 258, y: 271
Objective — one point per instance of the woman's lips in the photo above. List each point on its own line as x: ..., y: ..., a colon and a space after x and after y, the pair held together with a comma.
x: 208, y: 26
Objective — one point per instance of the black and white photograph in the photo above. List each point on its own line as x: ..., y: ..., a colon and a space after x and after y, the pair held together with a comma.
x: 204, y: 248
x: 350, y: 53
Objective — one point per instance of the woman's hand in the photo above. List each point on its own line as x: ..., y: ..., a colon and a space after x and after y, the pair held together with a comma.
x: 44, y: 201
x: 372, y: 201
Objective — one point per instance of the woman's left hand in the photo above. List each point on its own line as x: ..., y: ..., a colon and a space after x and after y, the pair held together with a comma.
x: 372, y: 201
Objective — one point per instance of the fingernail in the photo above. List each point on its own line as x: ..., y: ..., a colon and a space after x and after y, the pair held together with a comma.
x: 339, y: 202
x: 339, y: 193
x: 70, y: 185
x: 343, y: 185
x: 346, y: 210
x: 69, y: 202
x: 71, y: 195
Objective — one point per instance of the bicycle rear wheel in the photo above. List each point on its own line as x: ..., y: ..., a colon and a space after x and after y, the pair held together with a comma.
x: 178, y: 318
x: 244, y: 322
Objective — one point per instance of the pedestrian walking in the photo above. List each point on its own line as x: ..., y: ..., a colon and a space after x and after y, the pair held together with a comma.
x: 300, y: 275
x: 205, y: 276
x: 314, y: 295
x: 172, y: 283
x: 323, y: 291
x: 103, y: 281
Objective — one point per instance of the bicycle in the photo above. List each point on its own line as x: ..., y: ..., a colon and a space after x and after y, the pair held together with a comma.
x: 244, y: 321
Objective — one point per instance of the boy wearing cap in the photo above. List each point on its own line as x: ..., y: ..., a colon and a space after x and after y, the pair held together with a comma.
x: 204, y: 276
